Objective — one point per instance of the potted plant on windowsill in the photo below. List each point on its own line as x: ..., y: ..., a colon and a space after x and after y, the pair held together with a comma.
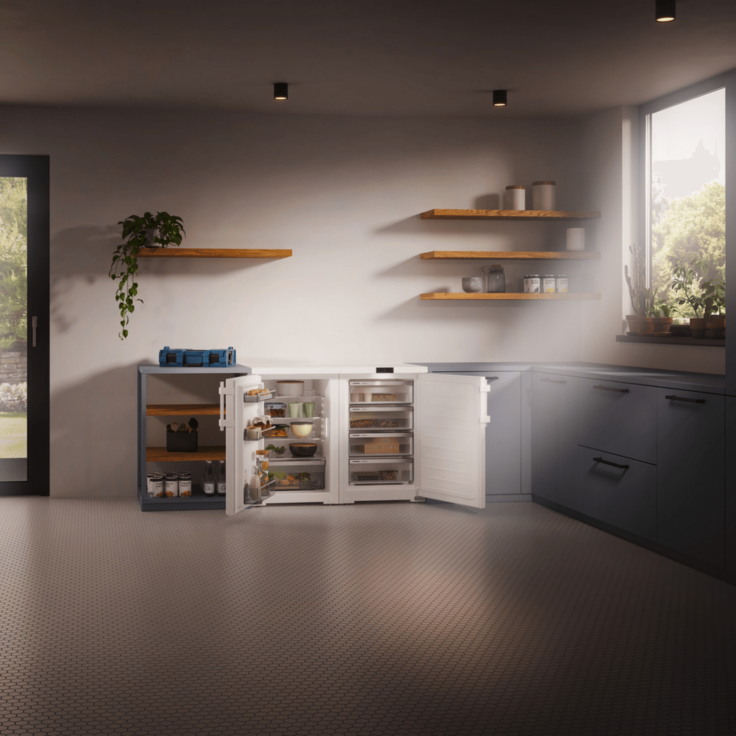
x: 663, y: 324
x: 149, y: 231
x: 700, y: 294
x: 642, y: 297
x: 714, y: 291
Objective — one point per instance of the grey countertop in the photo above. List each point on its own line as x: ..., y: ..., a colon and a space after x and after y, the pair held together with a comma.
x: 706, y: 382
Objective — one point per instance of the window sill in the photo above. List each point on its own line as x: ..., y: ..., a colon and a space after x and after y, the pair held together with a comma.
x: 703, y: 342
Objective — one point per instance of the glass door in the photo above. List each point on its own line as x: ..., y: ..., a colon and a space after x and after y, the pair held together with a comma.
x: 24, y: 325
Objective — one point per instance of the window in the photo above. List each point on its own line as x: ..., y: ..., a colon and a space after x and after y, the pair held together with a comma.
x: 685, y: 204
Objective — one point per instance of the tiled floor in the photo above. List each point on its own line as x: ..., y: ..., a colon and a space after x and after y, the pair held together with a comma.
x: 372, y: 619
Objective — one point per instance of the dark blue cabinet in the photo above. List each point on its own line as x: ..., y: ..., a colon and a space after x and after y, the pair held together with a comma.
x: 690, y: 484
x: 554, y: 438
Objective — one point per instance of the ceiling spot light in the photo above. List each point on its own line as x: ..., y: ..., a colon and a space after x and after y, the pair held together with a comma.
x: 281, y: 91
x: 664, y: 11
x: 499, y: 98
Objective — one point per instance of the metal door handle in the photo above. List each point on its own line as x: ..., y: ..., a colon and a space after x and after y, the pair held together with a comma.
x: 491, y: 378
x: 34, y: 325
x: 551, y: 380
x: 682, y: 398
x: 615, y: 390
x: 608, y: 462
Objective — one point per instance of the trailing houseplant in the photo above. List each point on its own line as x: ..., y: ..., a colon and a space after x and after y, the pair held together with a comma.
x: 147, y: 231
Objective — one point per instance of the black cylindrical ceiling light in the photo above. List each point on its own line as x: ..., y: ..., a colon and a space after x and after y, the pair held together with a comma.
x: 664, y: 11
x: 499, y: 98
x: 281, y: 91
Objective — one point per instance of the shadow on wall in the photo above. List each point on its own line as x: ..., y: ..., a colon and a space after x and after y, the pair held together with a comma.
x: 97, y: 459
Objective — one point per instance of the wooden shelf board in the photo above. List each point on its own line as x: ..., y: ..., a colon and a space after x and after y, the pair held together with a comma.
x: 160, y: 455
x: 507, y: 215
x: 446, y: 296
x: 175, y: 410
x: 509, y: 255
x: 705, y: 342
x: 215, y: 253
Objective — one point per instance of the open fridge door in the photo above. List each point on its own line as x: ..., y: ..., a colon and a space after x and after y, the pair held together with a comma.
x: 452, y: 414
x: 234, y: 416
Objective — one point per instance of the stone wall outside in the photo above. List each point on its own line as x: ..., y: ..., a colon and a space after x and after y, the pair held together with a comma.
x: 13, y: 367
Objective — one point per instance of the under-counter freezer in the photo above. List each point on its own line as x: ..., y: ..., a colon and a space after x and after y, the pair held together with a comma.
x: 378, y: 434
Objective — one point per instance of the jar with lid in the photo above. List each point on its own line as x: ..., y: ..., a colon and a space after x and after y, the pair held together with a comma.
x: 549, y: 283
x: 495, y: 279
x: 532, y: 283
x: 543, y: 195
x: 515, y: 198
x: 561, y: 283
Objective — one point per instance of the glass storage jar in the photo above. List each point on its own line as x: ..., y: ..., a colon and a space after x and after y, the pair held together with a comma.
x: 495, y: 279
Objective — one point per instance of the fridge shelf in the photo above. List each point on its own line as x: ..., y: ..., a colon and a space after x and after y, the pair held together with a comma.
x: 316, y: 460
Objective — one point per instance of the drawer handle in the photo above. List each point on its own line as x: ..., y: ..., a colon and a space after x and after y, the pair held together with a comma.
x: 608, y: 462
x: 682, y: 398
x: 615, y: 390
x: 551, y: 380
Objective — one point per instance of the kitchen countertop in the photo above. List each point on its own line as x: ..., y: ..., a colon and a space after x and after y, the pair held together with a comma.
x: 682, y: 380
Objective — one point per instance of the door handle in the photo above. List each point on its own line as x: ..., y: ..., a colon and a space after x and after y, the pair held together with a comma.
x: 608, y: 462
x: 615, y: 390
x: 551, y: 380
x: 682, y: 398
x: 491, y: 378
x: 34, y: 326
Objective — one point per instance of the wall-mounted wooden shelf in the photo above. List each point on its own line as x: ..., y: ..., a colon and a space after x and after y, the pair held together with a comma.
x: 160, y: 455
x: 501, y: 255
x: 214, y: 253
x: 175, y: 410
x: 455, y: 296
x: 507, y: 215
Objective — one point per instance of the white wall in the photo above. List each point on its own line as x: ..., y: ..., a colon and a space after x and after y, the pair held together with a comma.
x: 343, y: 193
x: 610, y: 152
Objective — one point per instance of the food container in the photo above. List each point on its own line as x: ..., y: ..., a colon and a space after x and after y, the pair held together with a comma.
x: 279, y: 430
x: 253, y: 433
x: 155, y: 485
x: 381, y: 392
x: 275, y: 409
x: 543, y: 195
x: 171, y: 485
x: 303, y: 449
x: 308, y: 409
x: 307, y: 475
x: 561, y: 284
x: 575, y: 238
x: 532, y: 284
x: 185, y: 484
x: 295, y: 409
x: 290, y: 388
x: 302, y: 429
x: 181, y: 441
x: 515, y: 198
x: 381, y: 417
x: 549, y: 283
x: 495, y: 278
x: 373, y: 443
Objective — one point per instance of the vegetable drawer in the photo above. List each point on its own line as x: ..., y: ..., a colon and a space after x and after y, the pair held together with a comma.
x: 375, y: 443
x: 381, y: 417
x: 381, y: 472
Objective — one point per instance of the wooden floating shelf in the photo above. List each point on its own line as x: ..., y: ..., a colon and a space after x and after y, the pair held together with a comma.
x: 502, y: 255
x: 215, y: 253
x: 447, y: 296
x: 160, y: 455
x: 175, y: 410
x: 507, y: 215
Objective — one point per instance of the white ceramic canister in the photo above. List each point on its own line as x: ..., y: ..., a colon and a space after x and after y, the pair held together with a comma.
x: 548, y: 283
x: 532, y: 284
x: 575, y: 238
x: 543, y: 195
x: 515, y: 198
x: 561, y: 284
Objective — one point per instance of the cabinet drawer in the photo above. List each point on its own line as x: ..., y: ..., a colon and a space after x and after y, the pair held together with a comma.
x: 620, y: 418
x: 623, y: 496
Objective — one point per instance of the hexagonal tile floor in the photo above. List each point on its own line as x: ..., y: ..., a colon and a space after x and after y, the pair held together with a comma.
x: 372, y: 619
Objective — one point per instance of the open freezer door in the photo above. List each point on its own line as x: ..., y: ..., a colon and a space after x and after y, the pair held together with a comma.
x: 233, y: 420
x: 452, y: 414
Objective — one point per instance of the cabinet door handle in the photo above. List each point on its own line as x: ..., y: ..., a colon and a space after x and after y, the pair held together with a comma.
x: 491, y: 378
x: 682, y: 398
x: 34, y: 326
x: 551, y: 380
x: 615, y: 390
x: 608, y: 462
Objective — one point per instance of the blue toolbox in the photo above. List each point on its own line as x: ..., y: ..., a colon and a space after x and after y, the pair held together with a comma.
x: 172, y: 357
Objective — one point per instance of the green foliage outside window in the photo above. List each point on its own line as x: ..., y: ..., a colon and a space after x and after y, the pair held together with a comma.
x: 13, y: 263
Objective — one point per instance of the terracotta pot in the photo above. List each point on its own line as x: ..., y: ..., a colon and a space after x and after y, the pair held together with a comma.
x: 697, y: 327
x: 662, y: 324
x: 633, y: 322
x: 716, y: 322
x: 645, y: 326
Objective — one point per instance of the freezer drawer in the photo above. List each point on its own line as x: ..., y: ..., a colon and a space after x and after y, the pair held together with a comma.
x: 381, y: 392
x: 381, y: 472
x: 307, y: 475
x: 375, y: 443
x: 381, y: 417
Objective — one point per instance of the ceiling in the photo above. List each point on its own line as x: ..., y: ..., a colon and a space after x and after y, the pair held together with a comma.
x: 563, y: 59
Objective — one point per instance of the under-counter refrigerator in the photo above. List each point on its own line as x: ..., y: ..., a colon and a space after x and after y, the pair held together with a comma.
x: 383, y: 434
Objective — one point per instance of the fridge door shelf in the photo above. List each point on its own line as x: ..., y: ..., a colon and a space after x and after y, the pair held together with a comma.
x: 256, y: 398
x: 377, y: 444
x: 385, y: 471
x: 381, y: 392
x: 379, y: 418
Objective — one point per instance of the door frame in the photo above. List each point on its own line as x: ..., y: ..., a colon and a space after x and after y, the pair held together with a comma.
x: 36, y: 170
